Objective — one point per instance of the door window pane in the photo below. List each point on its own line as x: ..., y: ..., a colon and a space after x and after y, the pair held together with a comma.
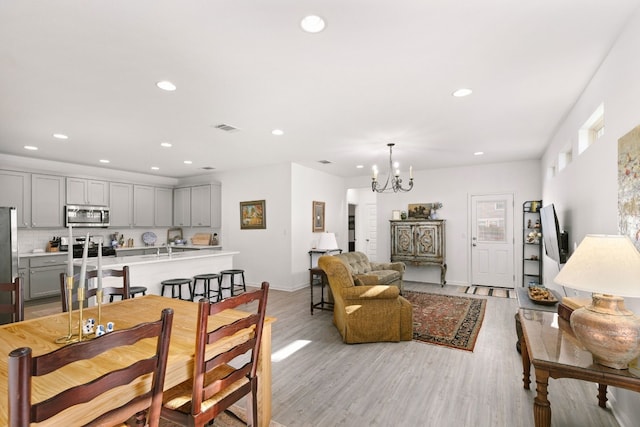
x: 491, y: 221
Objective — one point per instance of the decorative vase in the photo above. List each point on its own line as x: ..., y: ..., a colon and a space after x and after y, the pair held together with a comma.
x: 403, y: 215
x: 434, y: 214
x: 609, y: 331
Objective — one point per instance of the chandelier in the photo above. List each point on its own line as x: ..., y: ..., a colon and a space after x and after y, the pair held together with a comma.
x: 393, y: 182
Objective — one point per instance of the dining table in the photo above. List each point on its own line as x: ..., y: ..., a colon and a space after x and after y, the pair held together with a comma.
x: 42, y: 335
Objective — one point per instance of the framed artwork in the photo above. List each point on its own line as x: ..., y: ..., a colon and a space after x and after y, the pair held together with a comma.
x: 629, y: 185
x: 318, y: 217
x: 420, y: 210
x: 253, y: 215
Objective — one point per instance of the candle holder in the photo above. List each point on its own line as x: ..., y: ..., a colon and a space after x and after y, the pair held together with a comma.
x: 81, y: 335
x: 70, y: 337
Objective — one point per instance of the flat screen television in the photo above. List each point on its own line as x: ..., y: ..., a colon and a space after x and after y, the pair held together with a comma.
x: 555, y: 243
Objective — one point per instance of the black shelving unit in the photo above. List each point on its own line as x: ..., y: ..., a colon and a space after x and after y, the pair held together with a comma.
x: 531, y: 243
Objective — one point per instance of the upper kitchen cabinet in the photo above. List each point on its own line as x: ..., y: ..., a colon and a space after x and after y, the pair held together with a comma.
x: 182, y: 207
x: 87, y: 192
x: 143, y: 205
x: 201, y: 206
x: 197, y: 206
x: 163, y: 207
x: 15, y: 191
x: 121, y: 204
x: 47, y: 201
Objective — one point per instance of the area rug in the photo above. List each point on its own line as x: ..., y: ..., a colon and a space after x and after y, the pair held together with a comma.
x: 488, y: 291
x: 446, y: 320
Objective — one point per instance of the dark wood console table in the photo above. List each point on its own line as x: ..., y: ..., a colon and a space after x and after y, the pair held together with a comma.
x: 556, y: 353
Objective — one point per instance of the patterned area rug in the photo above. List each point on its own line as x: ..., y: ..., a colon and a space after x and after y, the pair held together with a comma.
x: 488, y: 292
x: 446, y: 320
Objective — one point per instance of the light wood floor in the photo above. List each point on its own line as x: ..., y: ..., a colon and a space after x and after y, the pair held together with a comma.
x: 320, y: 381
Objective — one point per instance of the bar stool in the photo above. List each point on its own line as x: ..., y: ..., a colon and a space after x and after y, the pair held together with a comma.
x: 133, y: 291
x: 206, y: 292
x: 173, y: 283
x: 232, y: 283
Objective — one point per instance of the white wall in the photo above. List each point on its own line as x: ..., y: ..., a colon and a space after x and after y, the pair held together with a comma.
x: 586, y: 192
x: 264, y: 254
x: 453, y: 187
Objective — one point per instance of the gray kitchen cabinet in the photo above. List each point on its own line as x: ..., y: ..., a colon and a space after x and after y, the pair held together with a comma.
x: 216, y: 206
x: 87, y: 192
x: 44, y: 275
x: 182, y: 207
x: 201, y: 206
x: 143, y: 206
x: 47, y: 201
x: 163, y: 214
x: 120, y: 204
x: 15, y: 191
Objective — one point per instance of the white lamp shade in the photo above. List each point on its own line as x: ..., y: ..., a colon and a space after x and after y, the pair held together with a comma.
x: 327, y: 242
x: 603, y: 264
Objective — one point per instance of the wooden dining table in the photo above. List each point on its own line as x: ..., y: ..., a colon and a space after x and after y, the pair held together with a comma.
x: 40, y: 335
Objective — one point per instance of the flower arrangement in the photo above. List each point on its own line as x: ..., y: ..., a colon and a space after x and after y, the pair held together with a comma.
x: 434, y: 210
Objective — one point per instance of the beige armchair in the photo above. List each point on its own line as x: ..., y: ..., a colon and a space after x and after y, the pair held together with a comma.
x: 366, y: 313
x: 366, y: 272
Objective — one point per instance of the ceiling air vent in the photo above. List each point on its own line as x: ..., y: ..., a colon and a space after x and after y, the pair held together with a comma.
x: 227, y: 128
x: 208, y: 168
x: 324, y: 162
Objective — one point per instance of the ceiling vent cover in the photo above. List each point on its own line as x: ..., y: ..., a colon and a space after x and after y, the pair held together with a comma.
x: 208, y: 168
x: 227, y: 128
x: 324, y: 162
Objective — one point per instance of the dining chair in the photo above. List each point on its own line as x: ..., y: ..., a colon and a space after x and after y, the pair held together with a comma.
x: 123, y: 292
x: 16, y: 306
x: 146, y: 406
x: 216, y: 382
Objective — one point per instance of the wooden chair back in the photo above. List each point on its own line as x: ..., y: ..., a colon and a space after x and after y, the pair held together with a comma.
x: 16, y: 306
x: 213, y: 375
x: 110, y: 291
x: 23, y: 366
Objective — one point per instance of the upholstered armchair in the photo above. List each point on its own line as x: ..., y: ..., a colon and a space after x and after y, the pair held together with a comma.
x: 366, y: 313
x: 366, y: 272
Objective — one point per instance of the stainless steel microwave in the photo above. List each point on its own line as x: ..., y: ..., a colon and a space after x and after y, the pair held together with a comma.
x: 86, y: 216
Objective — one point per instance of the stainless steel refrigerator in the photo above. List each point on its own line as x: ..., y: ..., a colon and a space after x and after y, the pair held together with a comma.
x: 8, y: 253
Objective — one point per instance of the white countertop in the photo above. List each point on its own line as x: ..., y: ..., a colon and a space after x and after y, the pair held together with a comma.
x: 38, y: 254
x: 173, y: 246
x: 118, y: 262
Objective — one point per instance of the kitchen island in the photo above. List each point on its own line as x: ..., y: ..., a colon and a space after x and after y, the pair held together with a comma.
x: 150, y: 270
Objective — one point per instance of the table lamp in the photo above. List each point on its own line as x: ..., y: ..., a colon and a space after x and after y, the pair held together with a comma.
x: 609, y: 267
x: 327, y: 242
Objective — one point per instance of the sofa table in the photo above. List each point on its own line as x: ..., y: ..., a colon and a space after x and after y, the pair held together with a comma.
x: 550, y: 345
x: 316, y: 273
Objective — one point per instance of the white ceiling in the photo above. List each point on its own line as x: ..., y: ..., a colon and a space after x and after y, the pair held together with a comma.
x: 382, y: 71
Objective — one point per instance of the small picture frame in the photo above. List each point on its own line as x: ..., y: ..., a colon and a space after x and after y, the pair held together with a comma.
x: 318, y: 217
x: 395, y: 215
x: 253, y: 215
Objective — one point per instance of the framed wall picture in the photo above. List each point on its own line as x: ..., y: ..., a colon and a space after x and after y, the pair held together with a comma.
x: 318, y: 217
x: 420, y: 210
x: 253, y: 215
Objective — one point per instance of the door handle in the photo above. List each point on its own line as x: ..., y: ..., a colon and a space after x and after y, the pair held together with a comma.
x: 473, y: 244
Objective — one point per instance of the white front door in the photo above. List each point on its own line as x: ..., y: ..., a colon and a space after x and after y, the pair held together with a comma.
x: 492, y: 262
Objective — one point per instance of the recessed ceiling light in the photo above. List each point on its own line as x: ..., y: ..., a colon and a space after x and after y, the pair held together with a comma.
x: 312, y: 24
x: 165, y: 144
x: 478, y: 153
x: 155, y: 168
x: 277, y: 132
x: 360, y: 166
x: 60, y: 136
x: 105, y: 161
x: 462, y: 92
x: 166, y: 85
x: 30, y: 147
x: 188, y: 162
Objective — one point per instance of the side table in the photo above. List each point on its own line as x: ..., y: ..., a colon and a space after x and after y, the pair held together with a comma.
x: 317, y: 274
